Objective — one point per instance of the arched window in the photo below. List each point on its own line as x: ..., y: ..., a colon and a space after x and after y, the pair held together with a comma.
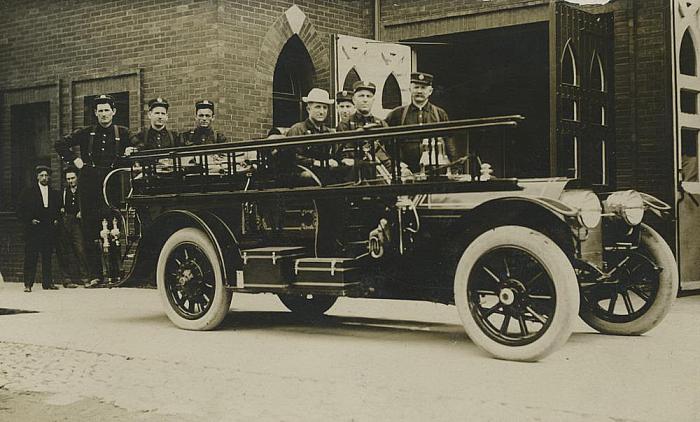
x: 391, y: 94
x: 569, y: 75
x: 597, y: 73
x: 350, y: 79
x: 292, y: 80
x: 687, y: 59
x: 569, y: 109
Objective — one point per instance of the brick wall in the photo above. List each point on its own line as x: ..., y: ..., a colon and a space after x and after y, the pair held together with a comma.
x: 643, y: 97
x: 183, y: 50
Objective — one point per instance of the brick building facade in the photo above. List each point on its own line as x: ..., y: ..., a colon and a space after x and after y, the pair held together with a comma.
x: 489, y: 57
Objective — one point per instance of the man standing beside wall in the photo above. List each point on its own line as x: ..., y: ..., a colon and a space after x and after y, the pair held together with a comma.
x: 71, y: 243
x: 101, y: 147
x: 39, y: 207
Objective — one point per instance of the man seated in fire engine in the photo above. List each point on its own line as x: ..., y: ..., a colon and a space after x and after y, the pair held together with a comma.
x: 310, y: 161
x: 362, y: 119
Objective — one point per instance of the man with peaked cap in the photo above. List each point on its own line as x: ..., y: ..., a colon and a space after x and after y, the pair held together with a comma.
x: 363, y: 99
x: 418, y: 112
x: 101, y: 148
x: 39, y: 210
x: 156, y: 135
x: 203, y: 132
x: 344, y: 105
x: 362, y: 118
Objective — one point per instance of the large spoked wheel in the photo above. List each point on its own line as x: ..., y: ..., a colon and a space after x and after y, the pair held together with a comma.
x: 308, y: 306
x: 516, y: 293
x: 190, y: 281
x: 640, y: 293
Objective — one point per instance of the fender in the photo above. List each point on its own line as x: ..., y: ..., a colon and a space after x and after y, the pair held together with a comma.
x: 155, y: 236
x: 542, y: 214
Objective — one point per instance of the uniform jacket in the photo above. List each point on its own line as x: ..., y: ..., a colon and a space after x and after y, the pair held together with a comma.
x: 357, y: 121
x: 202, y: 135
x: 412, y: 115
x: 99, y: 146
x: 305, y: 155
x: 150, y: 138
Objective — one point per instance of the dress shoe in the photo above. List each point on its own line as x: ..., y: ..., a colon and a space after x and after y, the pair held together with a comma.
x: 51, y: 287
x: 69, y: 285
x: 27, y: 290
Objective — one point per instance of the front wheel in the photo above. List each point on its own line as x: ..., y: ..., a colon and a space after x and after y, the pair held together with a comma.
x: 639, y: 294
x: 516, y: 293
x: 190, y: 281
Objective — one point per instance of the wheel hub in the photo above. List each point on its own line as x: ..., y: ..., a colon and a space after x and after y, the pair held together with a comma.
x: 187, y: 279
x: 506, y: 296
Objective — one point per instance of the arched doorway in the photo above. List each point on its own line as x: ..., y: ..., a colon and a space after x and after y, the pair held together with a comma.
x: 293, y: 78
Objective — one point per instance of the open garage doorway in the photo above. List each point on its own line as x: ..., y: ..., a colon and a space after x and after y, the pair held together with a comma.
x: 494, y: 72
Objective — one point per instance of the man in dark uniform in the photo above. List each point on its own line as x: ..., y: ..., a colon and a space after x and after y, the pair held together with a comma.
x: 156, y: 135
x: 344, y: 105
x: 39, y: 207
x: 71, y: 246
x: 203, y: 132
x: 419, y: 111
x: 362, y: 118
x: 317, y: 102
x: 101, y: 148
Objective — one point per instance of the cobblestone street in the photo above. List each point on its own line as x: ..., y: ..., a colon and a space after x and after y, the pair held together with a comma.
x: 112, y: 355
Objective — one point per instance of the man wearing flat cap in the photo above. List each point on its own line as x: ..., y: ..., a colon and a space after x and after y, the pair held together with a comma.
x: 101, y: 148
x: 203, y: 133
x: 156, y: 135
x: 39, y: 210
x: 418, y: 112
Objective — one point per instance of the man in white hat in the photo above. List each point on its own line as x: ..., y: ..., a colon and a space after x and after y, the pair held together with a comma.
x: 317, y: 102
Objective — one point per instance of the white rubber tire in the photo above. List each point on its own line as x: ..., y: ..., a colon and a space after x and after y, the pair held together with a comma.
x: 556, y: 264
x: 221, y: 302
x: 654, y: 247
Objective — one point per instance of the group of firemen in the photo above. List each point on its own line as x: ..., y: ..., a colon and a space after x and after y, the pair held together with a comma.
x: 102, y: 145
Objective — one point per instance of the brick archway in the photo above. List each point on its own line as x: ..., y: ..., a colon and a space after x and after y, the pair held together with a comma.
x: 292, y: 22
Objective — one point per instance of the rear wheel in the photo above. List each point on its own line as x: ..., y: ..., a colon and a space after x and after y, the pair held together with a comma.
x: 640, y: 293
x: 308, y: 306
x: 516, y: 293
x: 190, y: 281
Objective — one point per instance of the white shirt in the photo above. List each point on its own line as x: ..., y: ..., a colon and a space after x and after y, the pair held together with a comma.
x: 44, y: 194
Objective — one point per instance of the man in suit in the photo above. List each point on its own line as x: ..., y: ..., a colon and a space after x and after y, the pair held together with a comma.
x: 39, y: 208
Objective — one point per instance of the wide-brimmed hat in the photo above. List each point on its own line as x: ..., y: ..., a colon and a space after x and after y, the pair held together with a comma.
x: 318, y: 95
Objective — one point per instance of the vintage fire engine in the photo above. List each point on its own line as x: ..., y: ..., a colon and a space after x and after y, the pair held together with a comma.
x: 520, y: 259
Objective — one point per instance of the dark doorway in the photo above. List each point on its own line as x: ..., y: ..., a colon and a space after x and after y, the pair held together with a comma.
x: 495, y: 72
x: 121, y: 103
x: 293, y: 79
x: 31, y: 142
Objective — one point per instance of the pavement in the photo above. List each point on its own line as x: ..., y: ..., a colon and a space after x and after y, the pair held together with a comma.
x: 112, y: 354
